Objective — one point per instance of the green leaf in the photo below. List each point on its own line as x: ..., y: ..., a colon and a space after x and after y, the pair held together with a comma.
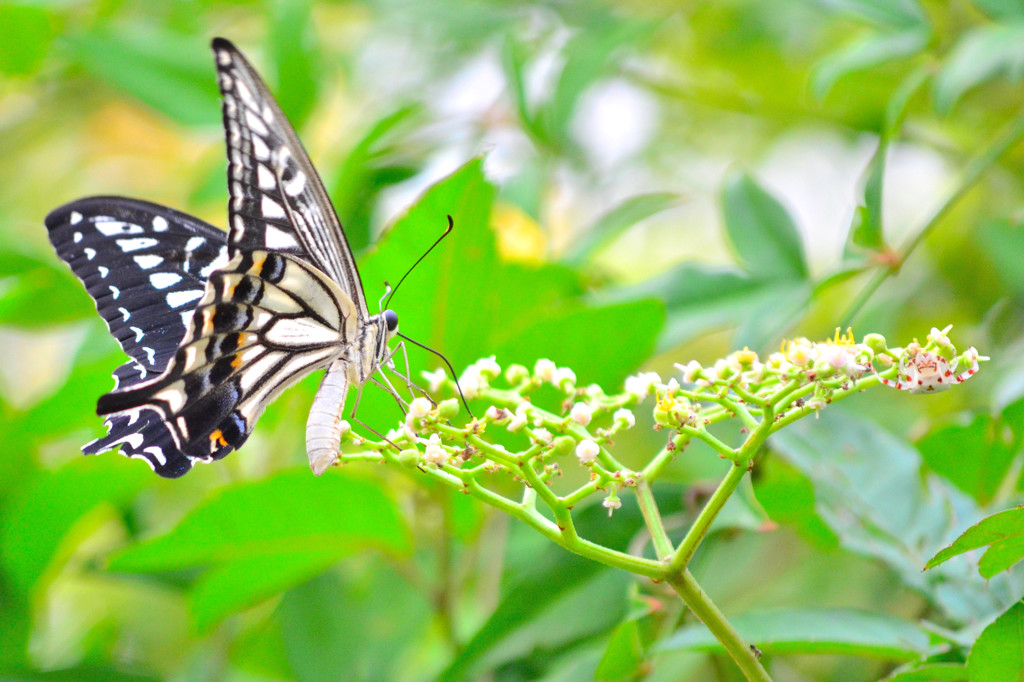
x: 868, y: 51
x: 86, y: 674
x: 65, y: 299
x: 615, y: 222
x: 373, y: 164
x: 888, y: 13
x: 1002, y: 243
x: 897, y: 516
x: 980, y: 55
x: 27, y: 35
x: 699, y: 298
x: 290, y: 514
x: 975, y: 457
x: 761, y: 230
x: 814, y: 631
x: 1001, y: 9
x: 788, y: 498
x: 36, y: 535
x: 998, y: 655
x: 363, y: 625
x: 296, y: 56
x: 450, y: 302
x: 602, y: 345
x: 554, y: 612
x: 1004, y: 531
x: 171, y: 73
x: 930, y: 672
x: 588, y: 57
x: 866, y: 229
x: 624, y: 655
x: 236, y: 585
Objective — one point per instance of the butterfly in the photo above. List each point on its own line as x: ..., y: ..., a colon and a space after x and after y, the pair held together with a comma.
x: 217, y: 325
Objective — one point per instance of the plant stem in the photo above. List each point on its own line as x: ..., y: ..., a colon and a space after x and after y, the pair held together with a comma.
x: 699, y: 529
x: 698, y: 601
x: 652, y: 517
x: 972, y: 172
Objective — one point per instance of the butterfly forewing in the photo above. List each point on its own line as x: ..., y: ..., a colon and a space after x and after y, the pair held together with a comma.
x: 277, y: 198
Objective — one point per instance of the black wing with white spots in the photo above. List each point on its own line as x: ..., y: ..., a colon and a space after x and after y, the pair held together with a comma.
x: 278, y: 201
x: 145, y: 267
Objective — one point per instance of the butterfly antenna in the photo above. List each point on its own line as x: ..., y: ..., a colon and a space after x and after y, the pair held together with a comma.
x: 418, y: 261
x: 448, y: 364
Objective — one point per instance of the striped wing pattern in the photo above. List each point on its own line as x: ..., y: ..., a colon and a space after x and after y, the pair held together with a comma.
x: 145, y: 267
x: 265, y: 321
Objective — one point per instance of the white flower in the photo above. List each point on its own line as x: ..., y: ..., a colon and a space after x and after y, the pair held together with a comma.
x: 435, y: 454
x: 625, y: 416
x: 641, y: 384
x: 841, y: 359
x: 544, y: 369
x: 690, y: 371
x: 542, y: 435
x: 940, y: 338
x: 517, y: 423
x: 587, y: 451
x: 420, y: 407
x: 611, y: 503
x: 498, y: 415
x: 471, y: 382
x: 581, y: 413
x: 488, y: 367
x: 435, y: 379
x: 564, y: 378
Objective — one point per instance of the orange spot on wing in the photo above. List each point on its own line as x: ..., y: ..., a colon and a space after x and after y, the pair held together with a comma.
x: 218, y: 438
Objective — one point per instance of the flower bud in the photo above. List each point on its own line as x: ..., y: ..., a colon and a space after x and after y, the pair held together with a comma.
x: 447, y: 409
x: 563, y: 445
x: 516, y: 374
x: 488, y: 368
x: 435, y: 454
x: 581, y: 413
x: 420, y: 407
x: 409, y: 458
x: 544, y: 369
x: 564, y: 379
x: 587, y: 451
x: 624, y: 418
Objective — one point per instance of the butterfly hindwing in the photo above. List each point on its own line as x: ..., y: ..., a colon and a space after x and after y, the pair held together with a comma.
x: 145, y: 267
x: 277, y: 198
x: 265, y: 321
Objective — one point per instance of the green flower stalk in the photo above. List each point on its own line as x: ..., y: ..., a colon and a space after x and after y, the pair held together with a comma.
x: 765, y: 395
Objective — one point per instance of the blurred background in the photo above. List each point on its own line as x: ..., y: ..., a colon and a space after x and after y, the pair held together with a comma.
x: 633, y: 185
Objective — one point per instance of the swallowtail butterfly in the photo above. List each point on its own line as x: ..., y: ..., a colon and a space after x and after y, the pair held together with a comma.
x: 217, y: 325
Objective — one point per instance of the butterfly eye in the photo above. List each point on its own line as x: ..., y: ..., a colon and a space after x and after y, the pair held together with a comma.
x: 391, y: 319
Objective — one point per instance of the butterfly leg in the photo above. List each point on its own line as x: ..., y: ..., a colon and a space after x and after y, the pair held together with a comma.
x: 407, y: 377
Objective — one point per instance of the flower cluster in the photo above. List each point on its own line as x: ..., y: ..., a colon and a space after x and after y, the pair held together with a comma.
x: 525, y: 432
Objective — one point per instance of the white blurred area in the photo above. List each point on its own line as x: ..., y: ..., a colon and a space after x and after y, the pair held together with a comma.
x: 620, y: 127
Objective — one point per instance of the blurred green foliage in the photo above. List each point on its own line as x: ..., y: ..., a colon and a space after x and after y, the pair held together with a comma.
x: 732, y: 215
